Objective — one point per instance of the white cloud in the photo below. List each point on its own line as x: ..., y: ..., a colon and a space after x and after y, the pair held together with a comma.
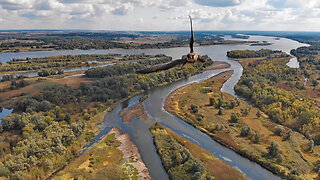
x: 123, y: 9
x: 160, y: 14
x: 219, y: 3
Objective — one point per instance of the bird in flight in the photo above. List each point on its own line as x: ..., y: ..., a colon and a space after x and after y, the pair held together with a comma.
x: 192, y: 57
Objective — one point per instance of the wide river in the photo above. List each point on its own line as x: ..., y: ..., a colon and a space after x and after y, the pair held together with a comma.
x: 139, y: 130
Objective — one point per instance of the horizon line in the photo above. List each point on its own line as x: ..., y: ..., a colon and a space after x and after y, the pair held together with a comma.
x: 88, y: 30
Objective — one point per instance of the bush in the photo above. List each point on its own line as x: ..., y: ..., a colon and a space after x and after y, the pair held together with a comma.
x: 245, y: 131
x: 258, y: 114
x: 47, y: 165
x: 4, y: 171
x: 256, y: 138
x: 310, y: 145
x: 245, y: 111
x: 279, y: 130
x: 194, y: 108
x: 280, y: 158
x: 234, y: 118
x: 200, y: 117
x: 212, y: 101
x: 86, y: 116
x: 274, y: 149
x: 288, y: 135
x: 221, y: 111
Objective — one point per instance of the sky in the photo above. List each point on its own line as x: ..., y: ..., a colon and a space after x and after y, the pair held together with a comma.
x: 161, y: 15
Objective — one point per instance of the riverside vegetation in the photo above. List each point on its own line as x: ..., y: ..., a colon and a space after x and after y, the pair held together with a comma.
x: 184, y: 160
x: 57, y: 63
x: 278, y: 129
x: 115, y: 157
x: 52, y: 121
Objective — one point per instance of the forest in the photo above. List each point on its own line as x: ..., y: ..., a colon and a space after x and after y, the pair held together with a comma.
x: 57, y: 40
x: 284, y: 107
x: 184, y: 160
x: 251, y: 53
x: 66, y: 61
x: 248, y: 129
x: 48, y: 129
x: 176, y: 159
x: 121, y: 69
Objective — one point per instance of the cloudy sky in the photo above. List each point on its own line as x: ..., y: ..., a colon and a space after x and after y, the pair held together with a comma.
x: 162, y: 15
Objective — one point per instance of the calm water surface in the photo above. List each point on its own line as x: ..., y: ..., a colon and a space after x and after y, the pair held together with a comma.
x: 138, y: 129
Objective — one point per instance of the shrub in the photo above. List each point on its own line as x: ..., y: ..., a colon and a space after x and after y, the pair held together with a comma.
x: 200, y: 117
x: 258, y: 114
x: 288, y: 135
x: 279, y: 130
x: 256, y: 138
x: 86, y: 116
x: 212, y: 101
x: 245, y: 131
x: 234, y: 118
x: 194, y: 108
x: 316, y: 139
x: 310, y: 145
x: 274, y: 149
x: 221, y: 111
x: 245, y: 111
x: 4, y: 171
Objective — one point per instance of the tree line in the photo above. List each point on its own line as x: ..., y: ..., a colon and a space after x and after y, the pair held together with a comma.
x: 251, y: 53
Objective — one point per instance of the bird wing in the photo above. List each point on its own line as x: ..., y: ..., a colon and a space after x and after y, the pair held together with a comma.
x: 162, y: 67
x: 192, y: 36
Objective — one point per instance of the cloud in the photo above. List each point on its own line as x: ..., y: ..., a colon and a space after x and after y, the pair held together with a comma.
x: 123, y: 9
x: 219, y: 3
x: 160, y: 14
x: 17, y: 4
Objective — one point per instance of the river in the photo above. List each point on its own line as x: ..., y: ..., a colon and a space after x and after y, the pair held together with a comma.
x: 139, y: 130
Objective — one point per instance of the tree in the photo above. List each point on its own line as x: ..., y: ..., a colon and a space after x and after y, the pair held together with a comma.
x: 258, y: 114
x: 279, y: 130
x: 310, y: 145
x: 314, y: 82
x: 212, y: 101
x: 221, y: 111
x: 47, y: 165
x: 256, y: 138
x: 4, y: 171
x: 86, y: 116
x: 274, y: 149
x: 316, y: 139
x: 234, y: 118
x: 194, y: 108
x: 245, y: 111
x: 200, y: 117
x: 245, y: 131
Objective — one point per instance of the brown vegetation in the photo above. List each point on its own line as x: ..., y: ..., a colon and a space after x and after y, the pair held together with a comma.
x: 136, y: 111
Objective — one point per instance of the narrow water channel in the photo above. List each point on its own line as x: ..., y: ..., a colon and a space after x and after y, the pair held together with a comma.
x: 139, y: 130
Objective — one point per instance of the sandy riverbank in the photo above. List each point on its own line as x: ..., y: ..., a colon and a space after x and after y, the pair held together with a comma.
x: 131, y: 153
